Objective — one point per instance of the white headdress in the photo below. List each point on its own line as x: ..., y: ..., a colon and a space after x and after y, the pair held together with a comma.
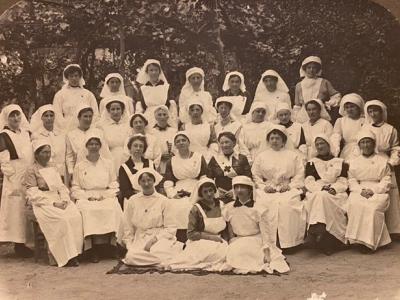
x: 262, y: 90
x: 325, y: 138
x: 143, y: 77
x: 106, y: 117
x: 324, y: 113
x: 65, y: 80
x: 195, y: 195
x: 244, y: 180
x: 254, y: 106
x: 225, y: 86
x: 351, y: 98
x: 36, y: 144
x: 309, y: 59
x: 157, y: 177
x: 376, y: 103
x: 187, y: 88
x: 37, y: 123
x: 106, y: 92
x: 5, y: 113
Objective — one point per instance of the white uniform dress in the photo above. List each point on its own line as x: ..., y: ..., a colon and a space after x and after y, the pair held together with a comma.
x: 310, y: 131
x: 144, y: 220
x: 96, y: 179
x: 165, y: 140
x: 366, y: 223
x: 321, y: 206
x: 200, y: 136
x: 286, y: 212
x: 272, y: 100
x: 61, y: 227
x: 209, y: 113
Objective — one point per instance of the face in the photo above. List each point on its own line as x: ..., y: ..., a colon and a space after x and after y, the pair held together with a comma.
x: 270, y: 83
x: 114, y: 84
x: 352, y: 110
x: 74, y: 78
x: 137, y: 148
x: 48, y: 119
x: 276, y: 141
x: 115, y: 111
x: 44, y: 155
x: 375, y: 112
x: 313, y: 111
x: 207, y: 192
x: 85, y: 120
x: 154, y: 72
x: 195, y: 111
x: 234, y: 83
x: 181, y: 142
x: 138, y: 124
x: 162, y: 117
x: 224, y: 109
x: 242, y: 191
x: 367, y: 146
x: 258, y: 115
x: 226, y: 145
x: 322, y: 147
x: 284, y: 116
x: 14, y: 119
x: 146, y: 182
x: 93, y: 146
x: 312, y: 69
x: 195, y: 80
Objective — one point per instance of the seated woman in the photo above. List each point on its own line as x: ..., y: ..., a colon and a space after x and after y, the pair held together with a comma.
x: 318, y: 123
x: 114, y: 88
x: 326, y: 198
x: 251, y: 142
x: 194, y: 89
x: 95, y: 190
x: 313, y: 86
x: 114, y: 122
x: 205, y: 248
x: 154, y: 90
x: 226, y: 165
x: 250, y: 249
x: 201, y: 134
x: 58, y: 217
x: 235, y: 89
x: 182, y: 173
x: 348, y: 126
x: 137, y: 145
x: 272, y: 90
x: 369, y: 181
x: 225, y: 121
x: 148, y: 239
x: 279, y: 176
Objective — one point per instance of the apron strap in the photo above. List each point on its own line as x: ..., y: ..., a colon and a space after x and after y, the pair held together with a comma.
x: 128, y: 173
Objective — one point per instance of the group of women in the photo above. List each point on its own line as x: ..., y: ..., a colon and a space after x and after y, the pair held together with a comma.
x: 191, y: 184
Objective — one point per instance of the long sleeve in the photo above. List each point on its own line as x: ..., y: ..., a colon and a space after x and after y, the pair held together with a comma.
x: 354, y: 185
x: 336, y: 137
x: 6, y: 167
x: 70, y: 156
x: 124, y: 184
x: 57, y: 104
x: 195, y: 225
x: 311, y: 183
x: 385, y: 182
x: 170, y: 180
x: 93, y: 104
x: 297, y: 181
x: 297, y: 97
x: 203, y: 167
x: 212, y: 142
x: 257, y: 173
x: 129, y: 230
x: 341, y: 185
x: 34, y: 195
x: 328, y: 129
x: 245, y: 167
x: 76, y: 190
x: 394, y: 159
x: 243, y: 149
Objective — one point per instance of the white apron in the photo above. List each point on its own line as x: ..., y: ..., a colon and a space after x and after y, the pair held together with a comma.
x: 310, y: 90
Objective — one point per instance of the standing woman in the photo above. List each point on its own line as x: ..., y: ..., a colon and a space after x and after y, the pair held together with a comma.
x: 182, y: 174
x: 194, y: 88
x: 114, y: 88
x: 114, y: 123
x: 226, y: 165
x: 72, y: 94
x: 95, y: 190
x: 387, y: 144
x: 348, y: 126
x: 225, y: 119
x: 272, y: 90
x: 46, y: 124
x: 57, y: 215
x: 279, y: 176
x: 369, y: 183
x: 326, y: 199
x: 251, y: 136
x: 235, y: 89
x: 201, y: 133
x: 15, y: 157
x: 318, y: 122
x: 154, y: 91
x: 313, y: 86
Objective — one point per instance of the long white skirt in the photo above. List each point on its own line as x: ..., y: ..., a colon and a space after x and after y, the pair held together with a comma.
x: 366, y: 223
x: 201, y: 255
x: 286, y: 216
x: 62, y: 229
x: 393, y: 212
x: 328, y: 209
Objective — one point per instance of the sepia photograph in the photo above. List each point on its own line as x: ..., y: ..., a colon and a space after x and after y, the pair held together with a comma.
x: 199, y: 149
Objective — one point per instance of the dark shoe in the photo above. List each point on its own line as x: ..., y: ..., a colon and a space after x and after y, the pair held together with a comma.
x: 365, y: 250
x: 22, y: 251
x: 73, y: 262
x: 94, y: 257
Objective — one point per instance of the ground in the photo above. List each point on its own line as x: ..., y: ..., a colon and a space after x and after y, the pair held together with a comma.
x: 344, y: 275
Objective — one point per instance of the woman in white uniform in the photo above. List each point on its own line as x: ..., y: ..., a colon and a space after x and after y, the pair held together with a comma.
x: 114, y: 88
x: 226, y: 121
x: 15, y: 157
x: 58, y: 217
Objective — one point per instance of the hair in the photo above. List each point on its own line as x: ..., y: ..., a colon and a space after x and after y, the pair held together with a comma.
x: 52, y: 111
x: 228, y: 135
x: 202, y: 110
x: 72, y: 69
x: 84, y: 110
x: 138, y: 138
x: 251, y: 189
x: 93, y: 138
x: 108, y: 106
x: 311, y: 62
x: 135, y: 116
x: 234, y: 75
x: 181, y: 134
x: 313, y: 102
x: 375, y: 106
x: 270, y: 76
x: 149, y: 174
x: 206, y: 184
x: 112, y: 78
x: 367, y: 137
x: 153, y: 64
x: 226, y: 102
x: 38, y: 150
x: 276, y: 131
x: 14, y: 112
